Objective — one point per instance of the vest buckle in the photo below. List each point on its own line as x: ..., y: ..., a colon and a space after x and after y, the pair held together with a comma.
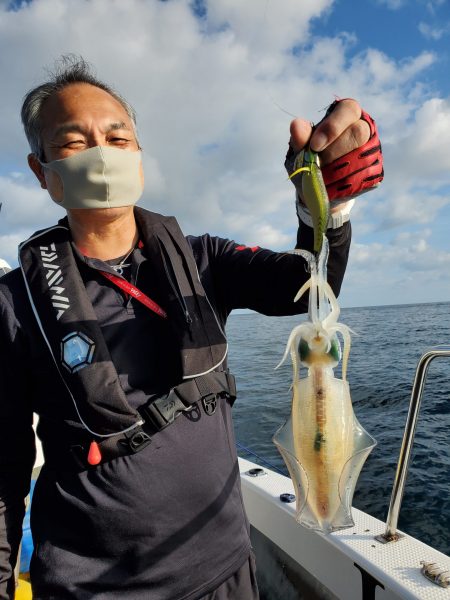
x: 209, y: 404
x: 138, y: 440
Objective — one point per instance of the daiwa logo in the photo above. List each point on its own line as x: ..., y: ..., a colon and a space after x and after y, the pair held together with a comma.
x: 54, y: 279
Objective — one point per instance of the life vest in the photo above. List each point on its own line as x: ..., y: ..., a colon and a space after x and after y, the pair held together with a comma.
x: 69, y: 326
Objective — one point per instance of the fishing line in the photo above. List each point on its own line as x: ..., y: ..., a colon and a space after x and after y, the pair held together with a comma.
x: 267, y: 90
x: 260, y: 458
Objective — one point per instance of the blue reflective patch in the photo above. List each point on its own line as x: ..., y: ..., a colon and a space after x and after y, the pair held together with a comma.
x: 77, y: 351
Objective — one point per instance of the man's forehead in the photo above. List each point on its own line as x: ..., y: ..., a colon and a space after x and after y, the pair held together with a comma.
x: 77, y: 102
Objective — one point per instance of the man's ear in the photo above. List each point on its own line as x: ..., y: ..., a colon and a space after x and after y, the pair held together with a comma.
x: 37, y: 169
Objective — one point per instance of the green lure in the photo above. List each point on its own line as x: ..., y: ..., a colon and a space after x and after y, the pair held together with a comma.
x: 312, y: 192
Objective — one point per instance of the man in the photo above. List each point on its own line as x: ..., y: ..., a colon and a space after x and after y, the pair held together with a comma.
x: 112, y: 332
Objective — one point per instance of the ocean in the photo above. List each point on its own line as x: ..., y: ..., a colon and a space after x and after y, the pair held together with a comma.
x: 386, y: 346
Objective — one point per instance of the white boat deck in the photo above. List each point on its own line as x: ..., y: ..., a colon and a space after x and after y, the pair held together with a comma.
x: 350, y: 563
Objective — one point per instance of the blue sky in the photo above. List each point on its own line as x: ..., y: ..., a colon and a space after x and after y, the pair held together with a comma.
x: 212, y: 83
x: 400, y: 28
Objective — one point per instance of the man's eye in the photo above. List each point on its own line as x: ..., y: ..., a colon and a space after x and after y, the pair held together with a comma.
x: 118, y: 141
x: 73, y: 144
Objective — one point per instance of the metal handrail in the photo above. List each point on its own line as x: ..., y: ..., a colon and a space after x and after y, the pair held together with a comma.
x: 398, y: 489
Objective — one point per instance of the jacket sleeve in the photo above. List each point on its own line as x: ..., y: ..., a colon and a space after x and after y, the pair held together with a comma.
x: 267, y: 281
x: 17, y: 447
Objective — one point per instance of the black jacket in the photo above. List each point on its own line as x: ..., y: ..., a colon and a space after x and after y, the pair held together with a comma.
x: 166, y: 523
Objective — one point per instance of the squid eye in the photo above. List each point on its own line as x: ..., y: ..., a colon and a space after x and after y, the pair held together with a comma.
x: 335, y: 350
x: 303, y: 350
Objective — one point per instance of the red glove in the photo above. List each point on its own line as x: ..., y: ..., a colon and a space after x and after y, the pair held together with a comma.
x: 357, y: 171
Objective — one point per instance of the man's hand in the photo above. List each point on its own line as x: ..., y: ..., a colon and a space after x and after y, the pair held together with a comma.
x: 349, y: 147
x: 339, y: 133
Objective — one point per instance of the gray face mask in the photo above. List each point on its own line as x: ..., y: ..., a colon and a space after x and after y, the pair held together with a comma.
x: 100, y: 177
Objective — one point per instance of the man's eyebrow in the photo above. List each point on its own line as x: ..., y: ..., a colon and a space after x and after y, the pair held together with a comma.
x: 116, y: 126
x: 68, y: 128
x: 76, y: 128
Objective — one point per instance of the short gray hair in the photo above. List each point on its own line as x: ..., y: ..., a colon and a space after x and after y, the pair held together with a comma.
x: 69, y: 69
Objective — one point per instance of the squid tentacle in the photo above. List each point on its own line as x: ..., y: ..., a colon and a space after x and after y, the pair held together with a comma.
x: 302, y: 290
x: 335, y: 311
x: 345, y: 332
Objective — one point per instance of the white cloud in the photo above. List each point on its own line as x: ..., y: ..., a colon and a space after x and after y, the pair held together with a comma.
x: 417, y: 171
x: 408, y: 252
x: 432, y: 33
x: 8, y: 247
x: 408, y: 208
x: 422, y: 151
x: 25, y: 205
x: 382, y: 71
x: 267, y: 26
x: 26, y: 208
x: 208, y: 94
x: 402, y: 271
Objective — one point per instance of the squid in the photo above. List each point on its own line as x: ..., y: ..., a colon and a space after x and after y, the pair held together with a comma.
x: 322, y: 443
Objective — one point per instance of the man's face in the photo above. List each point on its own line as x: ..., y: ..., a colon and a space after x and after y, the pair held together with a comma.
x: 79, y: 117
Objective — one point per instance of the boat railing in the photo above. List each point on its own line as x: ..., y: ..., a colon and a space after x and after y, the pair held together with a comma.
x: 391, y: 534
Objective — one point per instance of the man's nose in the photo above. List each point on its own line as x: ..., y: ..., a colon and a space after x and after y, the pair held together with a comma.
x: 96, y: 139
